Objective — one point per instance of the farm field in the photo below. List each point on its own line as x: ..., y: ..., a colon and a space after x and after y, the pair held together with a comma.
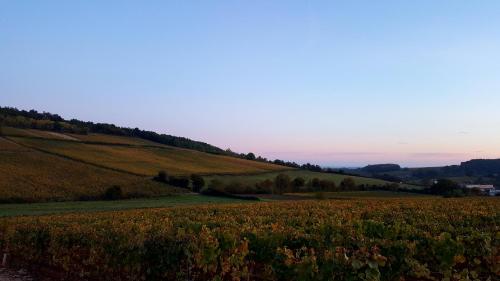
x: 7, y: 210
x: 365, y: 194
x: 362, y: 239
x: 251, y: 180
x: 176, y: 200
x: 147, y: 160
x: 32, y: 176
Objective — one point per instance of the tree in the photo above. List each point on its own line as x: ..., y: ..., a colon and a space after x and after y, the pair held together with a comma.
x: 265, y: 186
x: 315, y: 184
x: 297, y: 183
x: 1, y: 125
x: 444, y: 187
x: 162, y: 176
x: 198, y: 182
x: 348, y: 184
x: 282, y: 183
x: 181, y: 182
x: 250, y: 156
x: 327, y: 185
x: 113, y: 193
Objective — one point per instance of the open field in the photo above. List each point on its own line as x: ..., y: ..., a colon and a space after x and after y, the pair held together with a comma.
x: 33, y: 209
x: 365, y: 194
x: 251, y: 180
x: 362, y: 239
x: 177, y: 200
x: 32, y: 176
x: 148, y: 160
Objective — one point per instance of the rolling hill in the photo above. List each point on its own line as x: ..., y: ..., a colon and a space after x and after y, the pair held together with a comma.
x: 39, y: 166
x: 33, y: 176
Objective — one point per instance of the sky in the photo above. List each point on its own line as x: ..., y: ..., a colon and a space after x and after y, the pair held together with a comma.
x: 337, y: 83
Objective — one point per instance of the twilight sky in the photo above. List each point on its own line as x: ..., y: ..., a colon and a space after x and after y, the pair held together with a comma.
x: 338, y: 83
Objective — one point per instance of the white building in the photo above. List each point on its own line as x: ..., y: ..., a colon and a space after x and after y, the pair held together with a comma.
x: 487, y: 189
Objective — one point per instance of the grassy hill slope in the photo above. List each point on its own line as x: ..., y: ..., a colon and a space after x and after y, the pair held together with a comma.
x: 28, y: 175
x: 41, y: 166
x: 145, y: 159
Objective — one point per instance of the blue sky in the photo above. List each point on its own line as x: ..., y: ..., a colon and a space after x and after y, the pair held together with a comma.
x: 339, y: 83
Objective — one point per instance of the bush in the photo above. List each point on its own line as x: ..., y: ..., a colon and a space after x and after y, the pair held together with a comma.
x: 215, y: 184
x: 237, y: 187
x: 282, y: 183
x: 297, y: 183
x: 113, y: 193
x: 181, y: 182
x: 198, y: 182
x: 264, y: 187
x: 162, y: 177
x: 348, y: 184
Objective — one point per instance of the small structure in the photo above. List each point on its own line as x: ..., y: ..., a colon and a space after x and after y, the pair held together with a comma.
x: 486, y: 189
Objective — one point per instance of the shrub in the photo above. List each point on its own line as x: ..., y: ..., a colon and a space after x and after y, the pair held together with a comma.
x: 348, y: 184
x: 181, y: 182
x: 216, y: 184
x: 198, y: 182
x: 264, y: 187
x: 237, y: 187
x: 297, y: 183
x: 113, y: 193
x: 282, y: 183
x: 162, y: 177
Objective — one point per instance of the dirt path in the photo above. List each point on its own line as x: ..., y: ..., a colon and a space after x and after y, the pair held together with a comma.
x: 14, y: 275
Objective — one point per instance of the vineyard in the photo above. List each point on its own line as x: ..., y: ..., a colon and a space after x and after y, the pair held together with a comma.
x: 363, y: 239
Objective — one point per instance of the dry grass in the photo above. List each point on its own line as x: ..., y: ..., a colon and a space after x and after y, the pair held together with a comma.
x: 149, y: 160
x: 28, y: 175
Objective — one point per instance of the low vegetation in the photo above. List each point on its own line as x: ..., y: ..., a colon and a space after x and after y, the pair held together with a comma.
x: 299, y: 181
x: 383, y: 239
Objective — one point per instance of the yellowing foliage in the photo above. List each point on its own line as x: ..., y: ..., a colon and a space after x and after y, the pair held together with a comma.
x: 383, y: 239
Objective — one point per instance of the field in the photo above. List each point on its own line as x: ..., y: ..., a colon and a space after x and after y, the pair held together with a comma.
x: 35, y: 209
x: 180, y: 199
x: 147, y: 160
x: 32, y: 176
x: 307, y: 175
x: 362, y: 239
x: 364, y: 194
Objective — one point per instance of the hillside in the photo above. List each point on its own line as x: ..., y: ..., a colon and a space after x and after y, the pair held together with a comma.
x: 136, y: 156
x: 41, y: 165
x: 32, y: 176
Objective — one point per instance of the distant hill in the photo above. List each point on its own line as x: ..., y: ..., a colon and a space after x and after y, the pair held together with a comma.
x: 381, y: 168
x: 484, y: 171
